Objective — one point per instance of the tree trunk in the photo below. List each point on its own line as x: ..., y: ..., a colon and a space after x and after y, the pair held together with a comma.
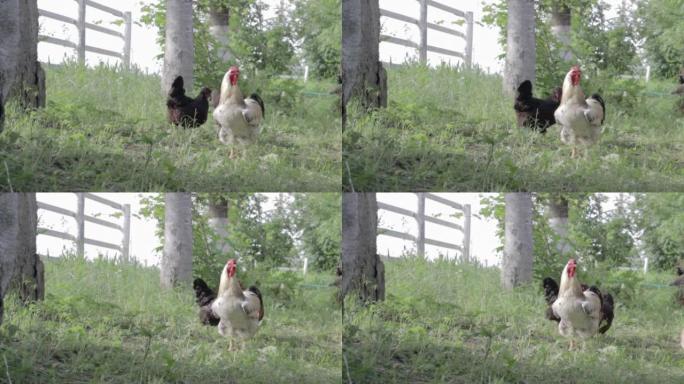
x: 219, y: 17
x: 362, y: 269
x: 179, y: 51
x: 21, y: 75
x: 521, y: 51
x: 19, y: 264
x: 560, y: 27
x: 29, y: 277
x: 557, y: 207
x: 176, y: 265
x: 517, y: 259
x: 218, y: 222
x: 363, y: 77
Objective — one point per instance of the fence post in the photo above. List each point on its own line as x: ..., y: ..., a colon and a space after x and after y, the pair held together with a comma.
x: 128, y: 30
x: 466, y: 233
x: 469, y: 39
x: 420, y: 218
x: 423, y: 25
x: 81, y: 31
x: 80, y: 225
x: 126, y: 232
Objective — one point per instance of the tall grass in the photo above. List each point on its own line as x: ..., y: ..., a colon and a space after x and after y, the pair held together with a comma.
x: 105, y: 129
x: 448, y: 129
x: 444, y: 322
x: 109, y: 323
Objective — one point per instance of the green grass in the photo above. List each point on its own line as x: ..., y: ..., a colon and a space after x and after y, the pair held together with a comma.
x: 108, y: 323
x: 453, y: 130
x: 449, y: 323
x: 104, y: 129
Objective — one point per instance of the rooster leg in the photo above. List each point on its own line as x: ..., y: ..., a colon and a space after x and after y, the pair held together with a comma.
x: 573, y: 154
x: 232, y: 155
x: 572, y: 344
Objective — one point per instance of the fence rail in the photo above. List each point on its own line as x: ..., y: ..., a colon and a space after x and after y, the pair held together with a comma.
x: 81, y: 47
x: 421, y: 218
x: 423, y: 25
x: 81, y: 218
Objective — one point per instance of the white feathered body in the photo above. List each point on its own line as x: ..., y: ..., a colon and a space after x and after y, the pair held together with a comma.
x: 580, y: 119
x: 238, y: 119
x: 238, y: 310
x: 580, y: 312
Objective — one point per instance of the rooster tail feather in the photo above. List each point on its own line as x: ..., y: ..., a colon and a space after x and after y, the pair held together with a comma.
x: 258, y: 99
x: 598, y: 98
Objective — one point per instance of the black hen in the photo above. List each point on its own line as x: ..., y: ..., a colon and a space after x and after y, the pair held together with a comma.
x: 535, y: 113
x: 185, y: 111
x: 204, y: 297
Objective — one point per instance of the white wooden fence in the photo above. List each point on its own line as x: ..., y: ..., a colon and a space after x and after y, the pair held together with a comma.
x: 421, y: 218
x: 81, y: 47
x: 423, y: 25
x: 81, y: 218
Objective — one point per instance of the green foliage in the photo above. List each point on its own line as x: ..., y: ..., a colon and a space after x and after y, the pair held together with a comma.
x: 320, y: 222
x: 264, y: 47
x: 461, y: 135
x: 445, y: 322
x: 317, y: 24
x: 600, y: 45
x: 663, y: 31
x: 662, y: 220
x: 109, y: 322
x: 105, y: 129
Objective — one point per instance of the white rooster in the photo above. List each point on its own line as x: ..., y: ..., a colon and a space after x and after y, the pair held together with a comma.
x: 579, y: 311
x: 240, y: 312
x: 580, y: 119
x: 238, y: 119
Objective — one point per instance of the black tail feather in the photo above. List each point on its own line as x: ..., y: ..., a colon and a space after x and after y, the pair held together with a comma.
x: 257, y: 292
x: 260, y: 101
x: 550, y: 290
x: 598, y: 98
x: 525, y: 90
x: 203, y: 294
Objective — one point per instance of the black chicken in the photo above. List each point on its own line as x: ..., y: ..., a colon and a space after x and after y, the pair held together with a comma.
x: 535, y: 113
x: 551, y: 294
x: 204, y: 297
x: 185, y: 111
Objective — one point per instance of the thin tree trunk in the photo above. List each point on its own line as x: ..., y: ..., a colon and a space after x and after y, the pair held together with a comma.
x: 557, y: 207
x: 218, y: 222
x: 21, y: 75
x: 176, y: 265
x: 179, y: 50
x: 219, y: 17
x: 362, y: 270
x: 18, y: 260
x: 560, y: 27
x: 363, y: 77
x: 517, y: 259
x: 521, y: 53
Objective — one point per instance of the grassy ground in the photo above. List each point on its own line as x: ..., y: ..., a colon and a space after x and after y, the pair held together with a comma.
x: 455, y: 130
x: 107, y: 323
x: 106, y: 130
x: 446, y: 323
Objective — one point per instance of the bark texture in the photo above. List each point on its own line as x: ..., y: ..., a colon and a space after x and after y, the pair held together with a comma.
x: 560, y: 27
x: 179, y: 50
x: 21, y: 75
x: 218, y: 222
x: 557, y: 207
x: 219, y: 17
x: 19, y: 265
x: 363, y: 77
x: 176, y: 265
x: 521, y: 53
x: 517, y: 258
x: 362, y: 270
